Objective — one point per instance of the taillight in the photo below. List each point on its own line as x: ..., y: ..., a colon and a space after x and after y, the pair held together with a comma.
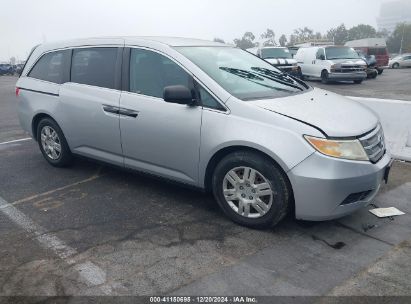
x: 17, y: 91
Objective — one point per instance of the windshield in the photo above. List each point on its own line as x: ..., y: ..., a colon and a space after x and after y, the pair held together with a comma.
x: 242, y: 74
x: 340, y: 53
x: 275, y: 53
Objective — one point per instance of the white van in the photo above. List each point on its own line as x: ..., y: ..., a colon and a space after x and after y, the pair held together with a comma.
x: 330, y: 63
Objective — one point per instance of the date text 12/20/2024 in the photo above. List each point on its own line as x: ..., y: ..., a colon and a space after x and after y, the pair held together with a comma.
x: 203, y: 299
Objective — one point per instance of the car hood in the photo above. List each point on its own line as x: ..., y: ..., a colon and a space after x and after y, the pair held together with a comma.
x: 281, y: 61
x: 333, y: 114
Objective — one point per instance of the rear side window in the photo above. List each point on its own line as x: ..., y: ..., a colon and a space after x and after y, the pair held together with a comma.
x: 50, y: 67
x: 150, y: 72
x: 94, y: 66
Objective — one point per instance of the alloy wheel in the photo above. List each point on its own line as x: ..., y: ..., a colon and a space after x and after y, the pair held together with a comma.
x: 247, y: 192
x: 50, y: 142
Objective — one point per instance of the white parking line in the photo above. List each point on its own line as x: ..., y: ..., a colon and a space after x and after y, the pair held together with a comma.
x: 89, y: 273
x: 14, y: 141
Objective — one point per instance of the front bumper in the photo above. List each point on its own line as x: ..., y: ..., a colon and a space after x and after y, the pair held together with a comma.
x: 347, y: 76
x: 290, y: 69
x: 322, y: 184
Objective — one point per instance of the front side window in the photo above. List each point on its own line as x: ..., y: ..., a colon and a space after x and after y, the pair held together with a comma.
x: 242, y: 74
x: 94, y: 66
x: 207, y: 100
x: 151, y: 72
x: 50, y: 67
x: 320, y: 54
x: 341, y: 53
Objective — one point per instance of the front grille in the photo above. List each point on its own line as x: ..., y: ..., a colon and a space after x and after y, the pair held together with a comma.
x: 373, y: 143
x: 349, y: 69
x: 356, y: 197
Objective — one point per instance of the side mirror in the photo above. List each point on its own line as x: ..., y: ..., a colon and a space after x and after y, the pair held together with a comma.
x: 322, y: 57
x: 178, y: 94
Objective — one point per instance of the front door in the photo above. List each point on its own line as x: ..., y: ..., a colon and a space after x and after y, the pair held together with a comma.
x: 159, y: 137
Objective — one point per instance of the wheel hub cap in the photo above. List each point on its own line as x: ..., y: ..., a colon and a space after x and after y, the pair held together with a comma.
x: 247, y: 192
x: 50, y: 142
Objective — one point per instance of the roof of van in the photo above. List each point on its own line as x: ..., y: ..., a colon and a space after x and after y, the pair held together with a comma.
x: 170, y: 41
x: 367, y: 42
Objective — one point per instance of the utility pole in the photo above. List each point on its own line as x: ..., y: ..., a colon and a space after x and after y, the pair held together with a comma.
x: 402, y: 37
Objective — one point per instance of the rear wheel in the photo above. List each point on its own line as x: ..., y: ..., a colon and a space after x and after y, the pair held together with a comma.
x: 396, y: 65
x: 324, y: 76
x: 251, y: 189
x: 53, y: 144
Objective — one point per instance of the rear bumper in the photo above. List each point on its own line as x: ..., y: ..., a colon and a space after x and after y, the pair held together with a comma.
x: 322, y: 185
x: 347, y: 76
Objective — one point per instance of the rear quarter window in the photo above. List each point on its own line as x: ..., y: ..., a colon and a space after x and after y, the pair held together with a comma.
x: 50, y: 67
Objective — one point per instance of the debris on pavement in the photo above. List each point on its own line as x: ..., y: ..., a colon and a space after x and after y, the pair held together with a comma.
x: 386, y: 212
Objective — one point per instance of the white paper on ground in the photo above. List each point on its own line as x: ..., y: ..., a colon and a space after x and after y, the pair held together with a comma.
x: 385, y: 212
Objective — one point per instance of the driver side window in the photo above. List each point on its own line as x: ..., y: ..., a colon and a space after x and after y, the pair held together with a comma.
x: 150, y: 72
x: 320, y: 54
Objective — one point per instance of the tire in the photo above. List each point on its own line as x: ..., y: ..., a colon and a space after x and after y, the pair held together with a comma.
x: 374, y: 75
x: 380, y: 71
x: 396, y: 65
x: 49, y: 136
x: 275, y: 190
x: 324, y: 77
x: 357, y: 81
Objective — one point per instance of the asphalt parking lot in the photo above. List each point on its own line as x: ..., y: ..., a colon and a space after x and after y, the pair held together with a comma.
x: 92, y: 229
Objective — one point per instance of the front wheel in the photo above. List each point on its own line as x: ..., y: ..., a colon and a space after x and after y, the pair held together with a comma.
x: 251, y: 189
x: 53, y: 144
x: 357, y: 81
x: 324, y: 76
x: 380, y: 71
x: 396, y: 65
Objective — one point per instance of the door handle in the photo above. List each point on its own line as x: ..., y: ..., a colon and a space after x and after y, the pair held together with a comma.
x: 111, y: 109
x: 128, y: 112
x: 120, y: 111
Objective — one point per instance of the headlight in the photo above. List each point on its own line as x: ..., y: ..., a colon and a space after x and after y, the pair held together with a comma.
x: 347, y: 149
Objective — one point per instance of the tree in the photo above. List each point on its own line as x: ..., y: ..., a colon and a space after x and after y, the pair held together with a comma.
x: 383, y: 33
x: 282, y: 40
x: 293, y: 40
x: 361, y: 31
x: 269, y: 35
x: 216, y: 39
x: 304, y: 34
x: 339, y: 34
x: 318, y: 36
x: 402, y: 33
x: 246, y: 42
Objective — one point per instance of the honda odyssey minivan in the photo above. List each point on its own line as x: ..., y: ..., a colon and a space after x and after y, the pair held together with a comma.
x: 208, y: 115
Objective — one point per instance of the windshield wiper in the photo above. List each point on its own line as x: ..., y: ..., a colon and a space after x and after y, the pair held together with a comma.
x: 282, y: 78
x: 250, y: 77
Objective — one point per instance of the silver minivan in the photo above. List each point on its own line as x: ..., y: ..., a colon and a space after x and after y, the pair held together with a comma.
x: 208, y: 115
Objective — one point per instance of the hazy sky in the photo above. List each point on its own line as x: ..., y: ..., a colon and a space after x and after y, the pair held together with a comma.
x: 25, y: 23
